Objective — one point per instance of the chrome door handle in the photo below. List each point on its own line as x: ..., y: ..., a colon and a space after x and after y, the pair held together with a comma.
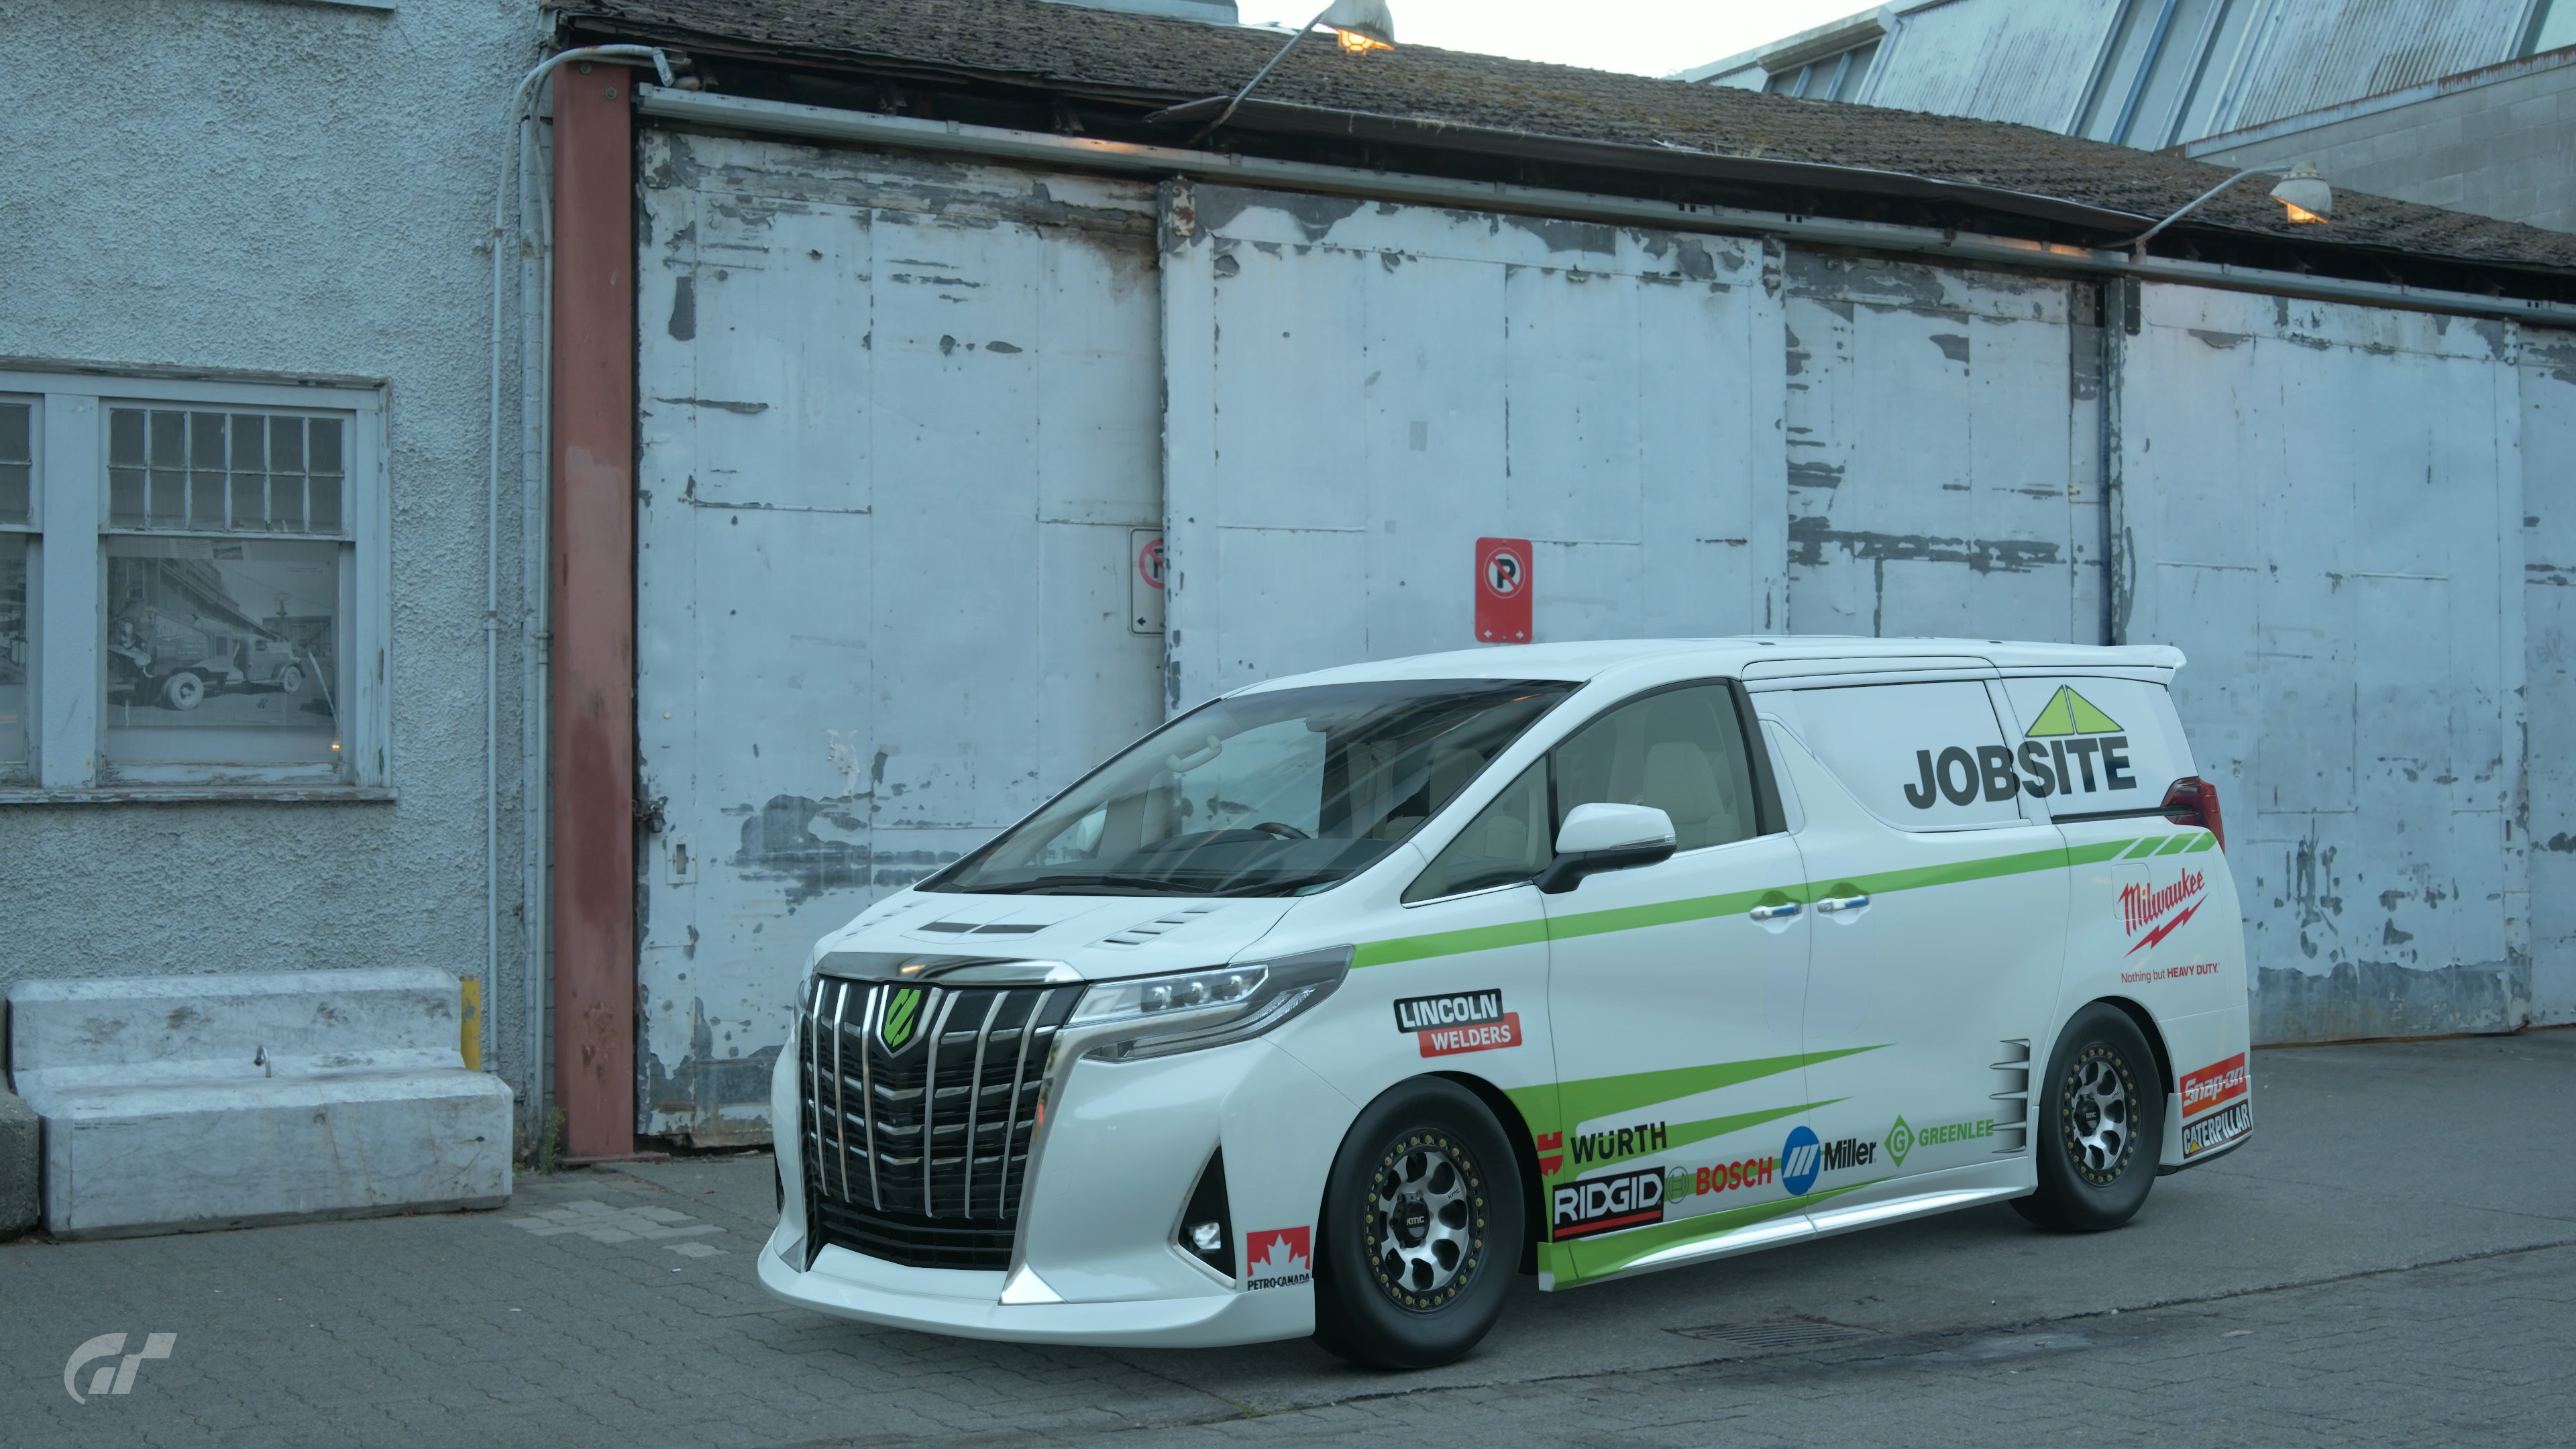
x: 1773, y: 913
x: 1831, y: 904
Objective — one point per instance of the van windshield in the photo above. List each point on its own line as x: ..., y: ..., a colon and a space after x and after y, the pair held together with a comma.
x: 1273, y: 793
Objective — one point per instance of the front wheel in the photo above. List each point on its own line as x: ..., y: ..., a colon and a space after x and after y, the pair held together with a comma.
x: 1422, y: 1228
x: 2101, y: 1125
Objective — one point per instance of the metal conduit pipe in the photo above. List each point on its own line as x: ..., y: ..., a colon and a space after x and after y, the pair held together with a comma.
x: 1086, y: 153
x: 513, y: 155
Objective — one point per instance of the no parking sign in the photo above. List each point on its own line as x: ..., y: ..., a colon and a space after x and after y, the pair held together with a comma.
x: 1503, y: 590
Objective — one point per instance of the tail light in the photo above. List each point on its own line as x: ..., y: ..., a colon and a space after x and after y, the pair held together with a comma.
x: 2194, y: 801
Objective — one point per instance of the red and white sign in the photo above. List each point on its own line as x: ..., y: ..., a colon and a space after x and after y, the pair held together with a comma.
x: 1482, y: 1036
x: 1503, y: 590
x: 2214, y: 1086
x: 1149, y: 562
x: 2161, y: 911
x: 1278, y: 1257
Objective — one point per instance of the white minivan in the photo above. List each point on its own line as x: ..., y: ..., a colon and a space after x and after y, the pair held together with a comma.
x: 1332, y: 1004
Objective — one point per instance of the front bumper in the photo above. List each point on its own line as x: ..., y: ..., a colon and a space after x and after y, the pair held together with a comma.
x: 1095, y: 1260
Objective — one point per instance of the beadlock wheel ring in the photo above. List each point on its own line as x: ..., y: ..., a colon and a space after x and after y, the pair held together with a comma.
x: 2097, y: 1116
x: 1426, y: 1220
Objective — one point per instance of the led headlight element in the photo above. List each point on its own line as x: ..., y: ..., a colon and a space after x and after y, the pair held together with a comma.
x: 1155, y: 1016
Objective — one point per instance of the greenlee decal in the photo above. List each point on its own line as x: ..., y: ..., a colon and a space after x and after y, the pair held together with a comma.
x: 1900, y: 1141
x: 2069, y: 713
x: 899, y: 1016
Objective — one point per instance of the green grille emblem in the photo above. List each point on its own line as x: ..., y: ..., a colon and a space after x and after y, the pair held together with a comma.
x: 1900, y: 1141
x: 900, y: 1015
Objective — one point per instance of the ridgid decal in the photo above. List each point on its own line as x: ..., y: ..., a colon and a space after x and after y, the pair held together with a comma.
x: 2058, y: 756
x: 2159, y: 911
x: 1465, y: 1021
x: 1607, y: 1203
x: 1278, y: 1258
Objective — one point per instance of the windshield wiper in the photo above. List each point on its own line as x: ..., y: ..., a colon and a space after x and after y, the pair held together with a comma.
x: 1115, y: 885
x: 1283, y: 885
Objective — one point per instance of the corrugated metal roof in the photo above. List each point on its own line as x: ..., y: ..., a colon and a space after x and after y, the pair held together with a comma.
x: 1142, y: 59
x: 1996, y: 60
x: 2326, y: 52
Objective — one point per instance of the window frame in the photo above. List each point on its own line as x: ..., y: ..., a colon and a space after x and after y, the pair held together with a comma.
x: 67, y: 586
x: 1769, y: 816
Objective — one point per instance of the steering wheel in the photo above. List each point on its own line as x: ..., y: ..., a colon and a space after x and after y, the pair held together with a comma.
x: 1283, y: 831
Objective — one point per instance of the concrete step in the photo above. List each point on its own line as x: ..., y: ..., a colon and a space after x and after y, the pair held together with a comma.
x: 183, y: 1103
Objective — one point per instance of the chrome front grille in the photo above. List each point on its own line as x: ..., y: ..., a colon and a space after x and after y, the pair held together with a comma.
x: 919, y: 1105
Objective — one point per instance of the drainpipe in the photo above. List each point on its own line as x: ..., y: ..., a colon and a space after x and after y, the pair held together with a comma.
x: 513, y: 153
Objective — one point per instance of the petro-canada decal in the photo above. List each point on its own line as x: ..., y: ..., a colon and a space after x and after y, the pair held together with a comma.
x: 1278, y: 1257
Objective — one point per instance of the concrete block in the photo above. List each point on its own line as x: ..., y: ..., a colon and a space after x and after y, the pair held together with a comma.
x: 182, y: 1103
x: 19, y: 1156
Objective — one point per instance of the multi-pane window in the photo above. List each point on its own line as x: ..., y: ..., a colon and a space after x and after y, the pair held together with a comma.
x: 199, y: 569
x: 1835, y: 77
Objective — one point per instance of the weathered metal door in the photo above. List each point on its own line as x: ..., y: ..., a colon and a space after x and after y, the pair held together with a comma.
x: 1944, y: 452
x: 2323, y: 509
x: 1359, y: 391
x: 898, y: 427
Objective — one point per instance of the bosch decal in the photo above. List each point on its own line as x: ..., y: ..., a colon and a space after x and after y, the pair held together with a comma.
x: 2160, y: 911
x: 1726, y: 1176
x: 1607, y: 1203
x: 1278, y: 1258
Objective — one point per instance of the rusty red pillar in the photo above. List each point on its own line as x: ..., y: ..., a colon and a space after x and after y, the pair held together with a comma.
x: 594, y: 609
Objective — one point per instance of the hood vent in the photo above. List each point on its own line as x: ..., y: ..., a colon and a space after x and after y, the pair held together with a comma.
x: 959, y: 928
x: 1159, y: 926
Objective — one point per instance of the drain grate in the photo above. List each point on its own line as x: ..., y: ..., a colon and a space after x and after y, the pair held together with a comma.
x: 1794, y: 1334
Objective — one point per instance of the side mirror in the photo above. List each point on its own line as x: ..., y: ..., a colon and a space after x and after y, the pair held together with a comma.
x: 1601, y: 837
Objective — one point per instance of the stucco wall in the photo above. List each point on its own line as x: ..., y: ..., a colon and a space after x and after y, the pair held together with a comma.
x: 301, y: 188
x: 2504, y: 147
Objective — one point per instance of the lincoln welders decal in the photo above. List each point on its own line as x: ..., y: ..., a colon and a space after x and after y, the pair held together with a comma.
x: 1465, y: 1021
x: 2058, y: 755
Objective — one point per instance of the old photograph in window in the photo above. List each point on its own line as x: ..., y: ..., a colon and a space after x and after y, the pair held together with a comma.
x: 223, y: 651
x: 16, y: 649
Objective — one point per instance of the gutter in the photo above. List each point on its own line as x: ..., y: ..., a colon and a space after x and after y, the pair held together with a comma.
x: 861, y: 128
x: 1665, y: 159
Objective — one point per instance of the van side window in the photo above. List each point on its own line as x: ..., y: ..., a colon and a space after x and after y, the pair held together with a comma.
x: 1681, y: 751
x: 1508, y: 841
x: 1919, y: 756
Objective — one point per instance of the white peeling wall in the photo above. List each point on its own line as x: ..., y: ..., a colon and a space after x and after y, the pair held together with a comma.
x: 2324, y: 511
x: 302, y: 189
x: 2549, y: 592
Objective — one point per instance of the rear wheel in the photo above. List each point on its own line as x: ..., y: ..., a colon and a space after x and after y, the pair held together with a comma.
x: 2101, y: 1125
x: 1421, y: 1231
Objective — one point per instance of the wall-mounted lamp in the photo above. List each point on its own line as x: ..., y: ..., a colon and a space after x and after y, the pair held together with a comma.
x: 1360, y: 25
x: 2302, y: 191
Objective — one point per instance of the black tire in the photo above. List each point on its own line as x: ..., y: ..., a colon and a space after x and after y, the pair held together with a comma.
x: 2101, y: 1128
x: 1396, y: 1290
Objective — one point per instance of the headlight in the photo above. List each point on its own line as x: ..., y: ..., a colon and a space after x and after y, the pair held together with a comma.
x: 1156, y: 1016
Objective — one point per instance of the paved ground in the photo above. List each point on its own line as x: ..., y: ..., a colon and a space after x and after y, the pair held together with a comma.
x: 2392, y: 1260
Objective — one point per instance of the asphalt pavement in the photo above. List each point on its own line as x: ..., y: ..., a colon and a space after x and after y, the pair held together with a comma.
x: 2392, y: 1259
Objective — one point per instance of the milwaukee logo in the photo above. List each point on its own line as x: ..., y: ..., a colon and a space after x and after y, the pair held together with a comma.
x: 2143, y: 909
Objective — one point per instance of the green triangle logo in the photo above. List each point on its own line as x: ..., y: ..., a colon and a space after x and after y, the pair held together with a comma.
x: 2069, y: 713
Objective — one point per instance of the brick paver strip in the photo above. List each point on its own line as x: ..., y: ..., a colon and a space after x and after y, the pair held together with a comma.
x: 2393, y: 1259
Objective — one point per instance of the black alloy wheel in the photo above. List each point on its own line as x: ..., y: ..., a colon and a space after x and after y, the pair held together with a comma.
x: 2100, y: 1133
x: 1422, y: 1227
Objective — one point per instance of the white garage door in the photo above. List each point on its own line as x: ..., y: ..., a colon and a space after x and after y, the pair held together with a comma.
x: 898, y: 439
x: 1359, y: 391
